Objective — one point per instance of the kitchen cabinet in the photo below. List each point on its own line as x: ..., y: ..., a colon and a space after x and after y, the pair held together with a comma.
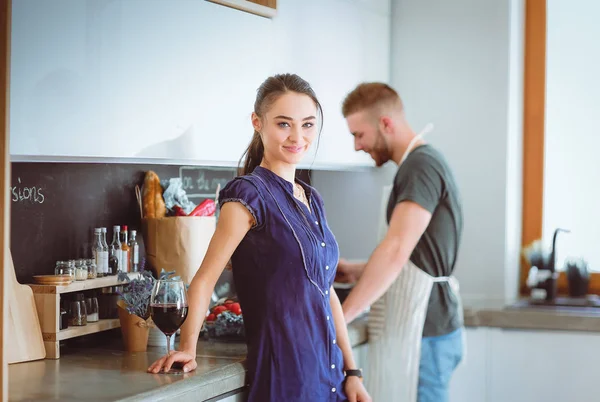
x: 548, y: 366
x: 240, y: 397
x: 523, y: 366
x: 469, y: 381
x: 361, y: 356
x: 177, y: 81
x: 169, y: 80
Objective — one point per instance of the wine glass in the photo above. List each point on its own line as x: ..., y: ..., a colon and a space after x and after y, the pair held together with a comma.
x: 169, y: 309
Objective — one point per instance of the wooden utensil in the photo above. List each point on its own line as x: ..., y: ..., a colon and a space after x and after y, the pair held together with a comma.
x: 24, y: 336
x: 53, y: 279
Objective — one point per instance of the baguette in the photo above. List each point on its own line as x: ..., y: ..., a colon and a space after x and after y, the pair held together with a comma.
x: 148, y: 195
x: 160, y: 209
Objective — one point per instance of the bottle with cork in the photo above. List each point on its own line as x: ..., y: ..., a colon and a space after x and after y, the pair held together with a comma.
x: 125, y: 251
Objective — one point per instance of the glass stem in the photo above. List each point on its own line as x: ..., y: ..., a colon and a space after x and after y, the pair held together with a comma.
x: 168, y: 345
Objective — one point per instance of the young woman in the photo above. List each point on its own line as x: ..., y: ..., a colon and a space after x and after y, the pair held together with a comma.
x: 284, y: 259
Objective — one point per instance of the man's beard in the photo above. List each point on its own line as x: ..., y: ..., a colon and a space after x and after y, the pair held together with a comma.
x: 380, y: 152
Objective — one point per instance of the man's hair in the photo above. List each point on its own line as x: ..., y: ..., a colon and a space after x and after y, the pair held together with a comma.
x: 371, y: 95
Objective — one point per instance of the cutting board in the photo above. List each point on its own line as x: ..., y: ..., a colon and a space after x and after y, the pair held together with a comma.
x: 24, y: 334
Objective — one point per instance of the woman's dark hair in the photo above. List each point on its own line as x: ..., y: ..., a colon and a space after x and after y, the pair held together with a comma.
x: 267, y: 94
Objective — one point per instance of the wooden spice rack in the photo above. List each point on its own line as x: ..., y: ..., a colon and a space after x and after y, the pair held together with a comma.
x: 47, y: 302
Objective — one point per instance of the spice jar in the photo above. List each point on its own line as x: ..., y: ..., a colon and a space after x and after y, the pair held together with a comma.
x: 91, y: 307
x: 81, y: 270
x: 92, y: 272
x: 72, y: 267
x: 63, y: 268
x: 78, y: 314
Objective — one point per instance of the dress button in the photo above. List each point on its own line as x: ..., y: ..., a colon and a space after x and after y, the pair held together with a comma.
x: 327, y: 267
x: 327, y: 292
x: 322, y: 244
x: 334, y: 341
x: 333, y: 389
x: 333, y: 366
x: 317, y: 222
x: 327, y: 318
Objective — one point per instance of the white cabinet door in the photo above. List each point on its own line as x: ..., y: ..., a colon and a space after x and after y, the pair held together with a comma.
x: 241, y: 397
x: 135, y: 79
x: 549, y: 366
x: 361, y: 357
x: 469, y: 382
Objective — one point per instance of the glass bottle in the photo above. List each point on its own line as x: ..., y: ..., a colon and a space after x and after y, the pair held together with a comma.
x: 99, y: 252
x: 126, y: 267
x: 134, y: 250
x: 115, y: 258
x: 105, y: 268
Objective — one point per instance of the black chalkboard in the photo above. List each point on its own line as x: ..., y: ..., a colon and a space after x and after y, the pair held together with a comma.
x: 56, y: 206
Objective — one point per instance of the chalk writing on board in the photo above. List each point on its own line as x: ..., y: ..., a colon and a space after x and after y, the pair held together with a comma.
x: 202, y: 182
x: 32, y: 194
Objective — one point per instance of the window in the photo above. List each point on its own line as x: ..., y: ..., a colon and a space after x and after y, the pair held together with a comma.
x: 561, y: 137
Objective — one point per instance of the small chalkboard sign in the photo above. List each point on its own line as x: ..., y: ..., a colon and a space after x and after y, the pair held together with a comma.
x: 203, y: 182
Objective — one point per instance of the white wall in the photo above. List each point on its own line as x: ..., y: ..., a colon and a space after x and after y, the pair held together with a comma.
x: 177, y: 79
x: 459, y: 65
x: 572, y: 142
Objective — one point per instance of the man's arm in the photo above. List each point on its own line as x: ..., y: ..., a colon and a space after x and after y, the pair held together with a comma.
x: 407, y: 225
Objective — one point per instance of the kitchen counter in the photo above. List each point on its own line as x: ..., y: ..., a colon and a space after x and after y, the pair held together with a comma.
x: 110, y: 374
x: 517, y: 316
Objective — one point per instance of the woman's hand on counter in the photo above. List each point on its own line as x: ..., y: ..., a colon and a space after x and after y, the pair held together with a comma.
x: 187, y: 360
x: 355, y: 390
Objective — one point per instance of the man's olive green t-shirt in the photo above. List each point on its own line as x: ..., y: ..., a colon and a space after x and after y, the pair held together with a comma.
x: 426, y: 179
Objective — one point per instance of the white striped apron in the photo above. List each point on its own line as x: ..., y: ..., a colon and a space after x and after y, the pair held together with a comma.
x: 395, y: 327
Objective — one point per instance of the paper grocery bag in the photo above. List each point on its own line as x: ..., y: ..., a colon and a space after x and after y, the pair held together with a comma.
x: 178, y: 243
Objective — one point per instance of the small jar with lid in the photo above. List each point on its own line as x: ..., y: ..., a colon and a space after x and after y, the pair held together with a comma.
x: 64, y: 268
x: 92, y: 272
x: 78, y: 313
x: 81, y: 270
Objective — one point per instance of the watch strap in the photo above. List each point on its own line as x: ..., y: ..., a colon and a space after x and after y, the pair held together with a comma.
x: 354, y: 373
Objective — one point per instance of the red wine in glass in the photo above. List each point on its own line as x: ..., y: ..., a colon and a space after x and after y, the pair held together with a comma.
x: 168, y: 318
x: 169, y: 309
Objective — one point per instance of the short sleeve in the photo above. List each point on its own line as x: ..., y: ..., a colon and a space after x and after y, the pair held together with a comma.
x: 419, y: 181
x: 245, y: 192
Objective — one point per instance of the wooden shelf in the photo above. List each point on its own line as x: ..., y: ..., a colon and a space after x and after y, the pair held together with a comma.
x: 90, y: 328
x: 78, y: 286
x: 47, y: 303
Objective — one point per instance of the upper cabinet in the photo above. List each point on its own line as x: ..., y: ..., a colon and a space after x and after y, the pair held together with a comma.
x: 177, y: 80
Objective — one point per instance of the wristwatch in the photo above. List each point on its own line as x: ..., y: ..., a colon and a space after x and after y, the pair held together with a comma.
x: 354, y: 373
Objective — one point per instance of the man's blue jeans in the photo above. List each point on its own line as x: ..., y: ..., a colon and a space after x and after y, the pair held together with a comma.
x: 439, y: 357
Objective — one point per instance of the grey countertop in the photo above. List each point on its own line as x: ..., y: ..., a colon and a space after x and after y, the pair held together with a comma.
x: 110, y: 374
x: 520, y: 316
x: 115, y: 375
